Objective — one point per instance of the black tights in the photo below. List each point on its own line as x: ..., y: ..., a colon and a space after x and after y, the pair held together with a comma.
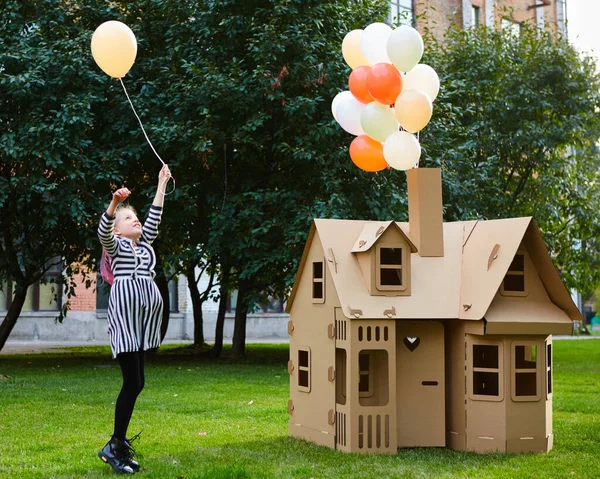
x: 132, y: 367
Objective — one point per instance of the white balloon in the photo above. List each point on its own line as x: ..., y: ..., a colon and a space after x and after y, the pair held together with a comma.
x: 405, y: 48
x: 373, y: 43
x: 337, y: 100
x: 378, y: 121
x: 424, y: 78
x: 401, y: 150
x: 348, y: 115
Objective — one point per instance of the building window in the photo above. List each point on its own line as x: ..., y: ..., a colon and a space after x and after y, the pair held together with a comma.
x: 512, y: 27
x: 318, y: 282
x: 304, y: 369
x: 3, y: 296
x: 475, y: 16
x: 173, y: 295
x: 102, y: 293
x: 45, y: 295
x: 402, y: 12
x: 373, y: 382
x: 524, y: 372
x: 486, y: 372
x: 514, y: 281
x: 391, y: 267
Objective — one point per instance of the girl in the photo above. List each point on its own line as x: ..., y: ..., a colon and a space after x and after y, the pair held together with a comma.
x: 134, y: 309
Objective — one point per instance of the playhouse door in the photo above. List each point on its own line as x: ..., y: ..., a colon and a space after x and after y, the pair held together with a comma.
x: 420, y: 383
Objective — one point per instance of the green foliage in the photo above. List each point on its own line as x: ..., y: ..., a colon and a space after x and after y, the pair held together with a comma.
x: 49, y: 166
x: 515, y: 128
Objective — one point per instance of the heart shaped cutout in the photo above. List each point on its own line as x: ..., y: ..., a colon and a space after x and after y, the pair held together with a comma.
x: 411, y: 343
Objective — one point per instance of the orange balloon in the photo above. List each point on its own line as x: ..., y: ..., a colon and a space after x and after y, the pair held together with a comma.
x: 367, y: 153
x: 384, y: 83
x: 358, y: 84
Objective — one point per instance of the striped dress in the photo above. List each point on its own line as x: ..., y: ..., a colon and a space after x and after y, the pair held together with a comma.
x: 135, y: 305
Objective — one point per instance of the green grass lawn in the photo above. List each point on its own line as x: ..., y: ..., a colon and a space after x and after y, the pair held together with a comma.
x: 228, y: 419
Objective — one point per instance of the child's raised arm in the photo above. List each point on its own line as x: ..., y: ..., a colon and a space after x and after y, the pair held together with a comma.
x: 107, y: 221
x: 150, y: 228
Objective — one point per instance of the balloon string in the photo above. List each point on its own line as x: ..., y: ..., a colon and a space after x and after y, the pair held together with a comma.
x: 148, y: 140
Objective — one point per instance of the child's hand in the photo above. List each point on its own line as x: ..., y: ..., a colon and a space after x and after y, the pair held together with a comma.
x: 164, y: 174
x: 121, y: 195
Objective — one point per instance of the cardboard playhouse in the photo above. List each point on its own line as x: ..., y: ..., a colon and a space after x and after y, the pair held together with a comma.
x: 425, y: 334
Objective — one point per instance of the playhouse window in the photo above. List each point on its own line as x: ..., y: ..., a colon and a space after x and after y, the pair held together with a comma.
x: 391, y: 267
x: 373, y: 382
x: 318, y: 282
x: 514, y: 281
x: 486, y: 367
x: 548, y: 369
x: 486, y: 378
x: 525, y: 362
x: 340, y: 376
x: 304, y: 369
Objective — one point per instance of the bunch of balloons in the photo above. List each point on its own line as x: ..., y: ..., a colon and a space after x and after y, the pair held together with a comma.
x: 390, y: 97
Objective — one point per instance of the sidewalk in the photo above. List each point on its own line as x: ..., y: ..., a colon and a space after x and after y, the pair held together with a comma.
x: 35, y: 347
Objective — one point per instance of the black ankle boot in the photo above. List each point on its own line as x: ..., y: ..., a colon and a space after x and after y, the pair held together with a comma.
x: 116, y: 454
x: 130, y: 459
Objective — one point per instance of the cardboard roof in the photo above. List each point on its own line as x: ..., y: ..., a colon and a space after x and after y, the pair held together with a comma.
x: 372, y: 231
x: 459, y: 285
x: 519, y: 317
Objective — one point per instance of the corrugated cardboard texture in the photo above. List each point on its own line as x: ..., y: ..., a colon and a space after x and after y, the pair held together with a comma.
x: 420, y: 385
x: 452, y: 354
x: 522, y: 317
x: 310, y: 333
x: 425, y: 210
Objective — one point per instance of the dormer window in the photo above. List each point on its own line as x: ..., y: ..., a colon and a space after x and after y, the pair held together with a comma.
x: 390, y: 267
x: 514, y: 281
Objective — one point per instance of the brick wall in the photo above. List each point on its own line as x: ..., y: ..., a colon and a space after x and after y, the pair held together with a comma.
x: 438, y: 15
x: 85, y: 298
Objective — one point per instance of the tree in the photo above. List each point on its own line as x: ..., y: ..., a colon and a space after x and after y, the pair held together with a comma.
x: 48, y: 170
x: 515, y: 128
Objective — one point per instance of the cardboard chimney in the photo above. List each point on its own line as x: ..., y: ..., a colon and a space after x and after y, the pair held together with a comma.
x: 425, y: 333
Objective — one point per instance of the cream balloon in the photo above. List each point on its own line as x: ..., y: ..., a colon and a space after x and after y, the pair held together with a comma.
x: 114, y: 48
x: 348, y: 115
x: 401, y: 150
x: 424, y: 78
x: 351, y: 49
x: 378, y: 121
x: 373, y: 42
x: 337, y: 100
x: 413, y: 110
x: 405, y: 48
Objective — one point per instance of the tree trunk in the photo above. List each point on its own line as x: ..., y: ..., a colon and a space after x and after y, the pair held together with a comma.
x: 197, y: 308
x: 163, y: 287
x: 238, y: 349
x: 218, y: 347
x: 12, y: 315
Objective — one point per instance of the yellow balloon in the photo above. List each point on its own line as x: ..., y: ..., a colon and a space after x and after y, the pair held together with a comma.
x: 351, y: 50
x: 413, y: 110
x: 114, y: 48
